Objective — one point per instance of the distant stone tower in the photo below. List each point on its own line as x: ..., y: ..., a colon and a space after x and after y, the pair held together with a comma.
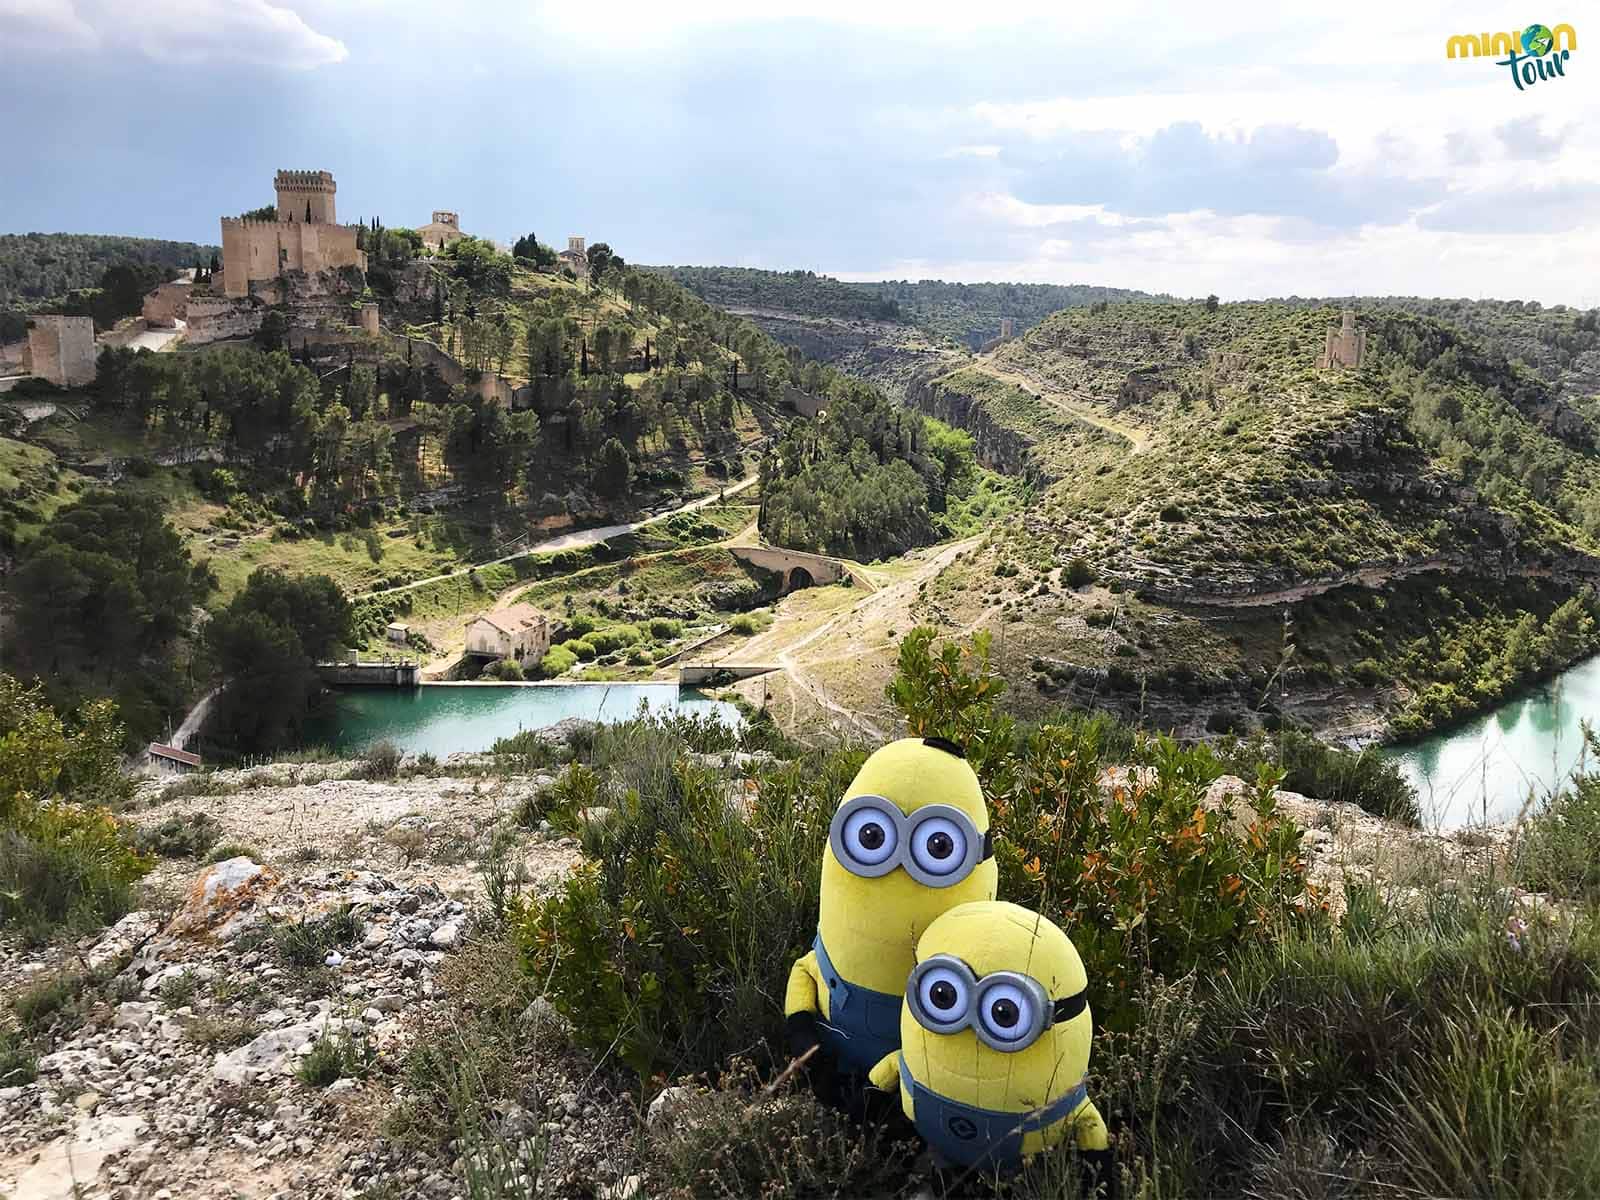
x: 60, y: 349
x: 1008, y: 327
x: 300, y: 192
x: 1346, y: 346
x: 369, y: 320
x: 575, y: 246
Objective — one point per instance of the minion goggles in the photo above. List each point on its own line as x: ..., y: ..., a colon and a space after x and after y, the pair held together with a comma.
x: 937, y: 845
x: 1008, y: 1011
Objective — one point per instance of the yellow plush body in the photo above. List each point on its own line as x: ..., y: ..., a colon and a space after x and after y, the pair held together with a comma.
x: 992, y: 936
x: 870, y: 926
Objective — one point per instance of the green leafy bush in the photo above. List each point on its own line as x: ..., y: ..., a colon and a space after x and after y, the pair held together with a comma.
x: 306, y: 943
x: 663, y: 628
x: 64, y: 858
x: 381, y: 760
x: 581, y: 649
x: 557, y: 661
x: 189, y: 835
x: 1142, y: 872
x: 671, y: 947
x: 613, y: 637
x: 1314, y: 768
x: 1559, y: 850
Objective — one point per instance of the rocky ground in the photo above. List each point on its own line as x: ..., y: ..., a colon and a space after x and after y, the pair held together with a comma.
x: 246, y: 1033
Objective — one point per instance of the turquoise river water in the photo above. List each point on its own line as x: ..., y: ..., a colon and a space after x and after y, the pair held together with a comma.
x: 442, y: 719
x: 1486, y: 769
x: 1483, y: 770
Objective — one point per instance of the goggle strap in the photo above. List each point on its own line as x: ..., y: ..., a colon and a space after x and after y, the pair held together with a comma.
x: 1070, y: 1006
x: 988, y: 845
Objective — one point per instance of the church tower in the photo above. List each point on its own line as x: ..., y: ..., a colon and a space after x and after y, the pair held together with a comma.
x: 300, y: 192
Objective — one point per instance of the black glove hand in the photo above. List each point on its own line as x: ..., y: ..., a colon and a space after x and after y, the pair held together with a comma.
x: 1098, y: 1170
x: 819, y: 1069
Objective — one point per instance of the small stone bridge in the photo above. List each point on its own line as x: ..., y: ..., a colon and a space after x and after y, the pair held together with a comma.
x: 798, y: 569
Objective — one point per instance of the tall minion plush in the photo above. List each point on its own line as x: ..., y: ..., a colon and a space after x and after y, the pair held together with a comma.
x: 909, y: 841
x: 994, y: 1042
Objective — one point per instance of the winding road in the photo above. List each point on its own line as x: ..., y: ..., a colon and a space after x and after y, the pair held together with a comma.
x: 567, y: 541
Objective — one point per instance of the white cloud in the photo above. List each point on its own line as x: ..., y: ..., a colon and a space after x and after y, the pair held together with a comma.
x: 174, y: 31
x: 44, y: 24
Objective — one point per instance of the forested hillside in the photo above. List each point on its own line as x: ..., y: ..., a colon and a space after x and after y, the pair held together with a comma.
x: 1194, y: 455
x: 966, y: 314
x: 1561, y: 344
x: 92, y: 274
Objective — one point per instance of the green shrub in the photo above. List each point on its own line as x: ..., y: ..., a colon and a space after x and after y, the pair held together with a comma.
x: 1559, y: 850
x: 1312, y: 767
x: 64, y: 858
x: 19, y: 1063
x: 673, y: 947
x: 580, y: 625
x: 638, y: 657
x: 663, y: 628
x: 233, y: 850
x: 581, y: 649
x: 734, y: 1142
x: 39, y: 1002
x: 306, y: 943
x: 189, y: 835
x: 1445, y: 1047
x: 745, y: 624
x: 1145, y: 878
x: 612, y: 638
x: 507, y: 670
x: 334, y: 1056
x: 557, y: 661
x: 1078, y: 572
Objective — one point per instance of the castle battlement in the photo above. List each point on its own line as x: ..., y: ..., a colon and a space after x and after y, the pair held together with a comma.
x: 304, y: 181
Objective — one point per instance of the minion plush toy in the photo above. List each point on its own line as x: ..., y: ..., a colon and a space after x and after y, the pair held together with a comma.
x: 994, y: 1042
x: 909, y: 841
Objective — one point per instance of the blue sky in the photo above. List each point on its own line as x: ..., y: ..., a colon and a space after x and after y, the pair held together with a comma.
x: 1332, y: 152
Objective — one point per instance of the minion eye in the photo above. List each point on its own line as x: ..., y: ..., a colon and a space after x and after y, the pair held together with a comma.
x: 870, y: 836
x: 943, y: 998
x: 1007, y: 1013
x: 939, y: 846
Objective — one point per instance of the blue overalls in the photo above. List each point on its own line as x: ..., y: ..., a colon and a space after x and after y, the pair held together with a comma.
x: 862, y: 1025
x: 965, y: 1136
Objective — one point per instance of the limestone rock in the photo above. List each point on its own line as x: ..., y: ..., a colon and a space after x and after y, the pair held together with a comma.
x: 222, y: 894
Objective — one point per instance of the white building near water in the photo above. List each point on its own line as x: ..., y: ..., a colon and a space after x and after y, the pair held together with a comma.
x: 519, y: 632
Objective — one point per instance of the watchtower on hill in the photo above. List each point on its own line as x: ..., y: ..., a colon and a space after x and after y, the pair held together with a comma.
x: 1345, y: 346
x: 302, y: 192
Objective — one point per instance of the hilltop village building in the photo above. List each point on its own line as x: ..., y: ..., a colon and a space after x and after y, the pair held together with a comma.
x: 305, y: 237
x: 575, y: 257
x: 442, y: 230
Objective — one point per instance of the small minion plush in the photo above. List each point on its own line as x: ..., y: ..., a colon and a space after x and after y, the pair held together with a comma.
x: 909, y: 841
x: 994, y: 1041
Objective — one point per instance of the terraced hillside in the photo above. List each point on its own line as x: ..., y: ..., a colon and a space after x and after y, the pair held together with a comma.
x: 1420, y: 531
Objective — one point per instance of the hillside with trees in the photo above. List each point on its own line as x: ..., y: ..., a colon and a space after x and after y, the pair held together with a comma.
x: 1193, y: 458
x: 966, y: 314
x: 95, y: 275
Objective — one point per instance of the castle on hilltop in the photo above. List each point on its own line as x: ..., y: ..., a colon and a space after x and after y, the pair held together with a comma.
x: 305, y: 237
x: 1346, y: 346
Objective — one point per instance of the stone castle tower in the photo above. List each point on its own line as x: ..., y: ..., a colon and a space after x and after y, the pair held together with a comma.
x: 1345, y: 346
x: 300, y: 192
x: 306, y: 237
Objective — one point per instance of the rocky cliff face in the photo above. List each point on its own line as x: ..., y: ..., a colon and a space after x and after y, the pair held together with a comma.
x: 999, y: 446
